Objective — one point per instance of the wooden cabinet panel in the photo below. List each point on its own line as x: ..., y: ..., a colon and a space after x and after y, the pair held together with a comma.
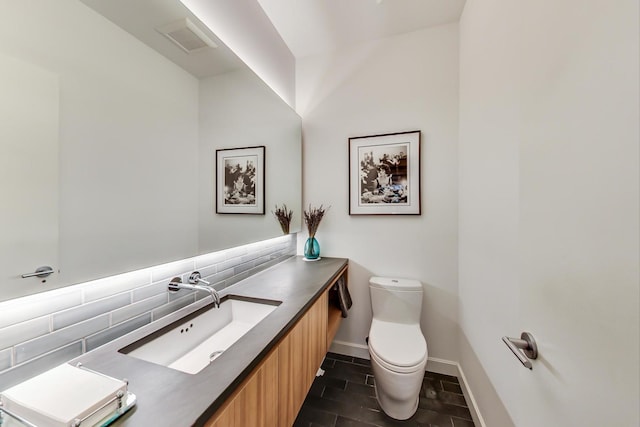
x: 317, y: 335
x: 256, y: 401
x: 300, y: 355
x: 292, y: 390
x: 224, y: 417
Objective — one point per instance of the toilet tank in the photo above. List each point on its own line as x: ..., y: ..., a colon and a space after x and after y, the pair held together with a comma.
x: 396, y: 300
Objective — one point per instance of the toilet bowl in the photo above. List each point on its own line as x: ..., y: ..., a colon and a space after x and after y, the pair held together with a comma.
x: 397, y: 347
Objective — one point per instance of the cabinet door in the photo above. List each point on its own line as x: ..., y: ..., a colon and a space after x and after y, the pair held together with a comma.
x: 256, y: 402
x: 300, y: 354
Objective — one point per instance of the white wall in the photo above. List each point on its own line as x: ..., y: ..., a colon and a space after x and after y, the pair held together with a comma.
x: 238, y: 110
x: 404, y: 83
x: 245, y: 28
x: 549, y: 209
x: 488, y: 186
x: 128, y: 126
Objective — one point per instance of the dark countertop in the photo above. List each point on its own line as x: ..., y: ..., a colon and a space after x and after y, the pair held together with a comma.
x: 167, y: 397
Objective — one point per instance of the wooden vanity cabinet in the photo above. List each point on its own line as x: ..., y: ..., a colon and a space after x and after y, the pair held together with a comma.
x: 274, y: 392
x: 300, y: 354
x: 255, y: 402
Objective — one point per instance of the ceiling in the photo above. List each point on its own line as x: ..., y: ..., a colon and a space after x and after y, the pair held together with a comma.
x: 142, y: 18
x: 310, y: 27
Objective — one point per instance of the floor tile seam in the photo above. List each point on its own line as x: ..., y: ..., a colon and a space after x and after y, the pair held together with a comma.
x: 445, y: 411
x: 449, y: 405
x: 335, y: 414
x: 353, y: 391
x: 331, y: 414
x: 357, y: 364
x: 356, y: 405
x: 358, y: 421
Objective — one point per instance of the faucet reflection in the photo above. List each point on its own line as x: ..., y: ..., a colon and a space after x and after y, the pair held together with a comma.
x: 194, y: 285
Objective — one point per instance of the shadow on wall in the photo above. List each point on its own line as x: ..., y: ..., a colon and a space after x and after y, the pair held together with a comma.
x: 439, y: 322
x: 355, y: 328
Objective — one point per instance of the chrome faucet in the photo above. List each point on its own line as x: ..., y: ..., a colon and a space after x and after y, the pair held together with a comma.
x: 194, y: 285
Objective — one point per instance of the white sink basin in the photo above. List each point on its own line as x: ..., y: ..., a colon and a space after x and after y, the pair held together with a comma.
x: 191, y: 344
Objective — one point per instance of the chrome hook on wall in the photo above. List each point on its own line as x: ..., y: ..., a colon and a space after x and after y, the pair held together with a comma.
x: 524, y: 348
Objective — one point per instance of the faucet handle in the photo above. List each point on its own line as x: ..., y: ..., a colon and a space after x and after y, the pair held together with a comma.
x: 196, y: 278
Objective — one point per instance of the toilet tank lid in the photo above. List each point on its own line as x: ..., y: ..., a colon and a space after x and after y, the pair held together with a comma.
x: 395, y: 283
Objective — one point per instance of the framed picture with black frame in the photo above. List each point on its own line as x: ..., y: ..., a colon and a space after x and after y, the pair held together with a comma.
x: 240, y: 183
x: 384, y: 174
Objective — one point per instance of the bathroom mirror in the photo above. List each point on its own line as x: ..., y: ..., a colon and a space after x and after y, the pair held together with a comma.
x: 109, y: 131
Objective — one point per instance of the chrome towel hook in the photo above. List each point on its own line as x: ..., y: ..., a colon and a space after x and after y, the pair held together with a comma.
x: 524, y: 348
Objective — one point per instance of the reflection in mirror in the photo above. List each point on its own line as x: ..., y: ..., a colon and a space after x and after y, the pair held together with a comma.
x: 108, y: 165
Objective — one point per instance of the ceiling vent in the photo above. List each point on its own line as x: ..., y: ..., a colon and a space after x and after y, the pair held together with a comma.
x: 187, y: 36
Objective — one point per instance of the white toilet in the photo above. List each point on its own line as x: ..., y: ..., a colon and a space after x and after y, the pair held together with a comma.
x: 397, y: 347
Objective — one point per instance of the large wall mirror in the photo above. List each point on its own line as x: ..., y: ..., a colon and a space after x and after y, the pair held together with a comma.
x: 108, y: 132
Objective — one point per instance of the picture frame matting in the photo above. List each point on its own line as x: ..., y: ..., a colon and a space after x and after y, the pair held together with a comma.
x: 240, y: 180
x: 384, y: 174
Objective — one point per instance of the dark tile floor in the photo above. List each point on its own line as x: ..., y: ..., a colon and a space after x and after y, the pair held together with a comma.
x: 345, y: 397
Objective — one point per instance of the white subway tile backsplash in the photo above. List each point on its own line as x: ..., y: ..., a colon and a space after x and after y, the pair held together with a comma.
x: 230, y: 263
x: 41, y: 331
x: 24, y: 331
x: 36, y: 347
x: 114, y: 285
x: 167, y: 271
x: 236, y: 278
x: 241, y: 268
x: 103, y: 337
x: 219, y: 277
x: 87, y: 311
x: 158, y: 288
x: 208, y: 271
x: 5, y: 359
x: 137, y: 308
x: 250, y: 257
x: 208, y: 260
x: 173, y: 296
x: 22, y: 309
x: 236, y: 252
x: 173, y: 306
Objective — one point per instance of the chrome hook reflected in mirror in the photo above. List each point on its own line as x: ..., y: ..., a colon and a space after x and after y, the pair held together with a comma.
x: 42, y: 272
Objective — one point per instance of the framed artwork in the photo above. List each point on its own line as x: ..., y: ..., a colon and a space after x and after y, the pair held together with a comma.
x: 384, y: 174
x: 240, y: 180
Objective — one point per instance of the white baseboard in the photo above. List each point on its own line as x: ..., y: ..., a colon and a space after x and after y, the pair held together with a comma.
x: 434, y: 364
x: 442, y: 366
x: 350, y: 349
x: 468, y: 397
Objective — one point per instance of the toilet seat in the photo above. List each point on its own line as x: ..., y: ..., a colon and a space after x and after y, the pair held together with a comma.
x: 397, y: 347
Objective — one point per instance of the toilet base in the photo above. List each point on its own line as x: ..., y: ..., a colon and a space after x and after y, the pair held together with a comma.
x: 397, y: 410
x: 397, y: 393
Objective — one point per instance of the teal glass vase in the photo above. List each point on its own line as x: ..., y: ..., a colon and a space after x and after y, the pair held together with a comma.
x: 312, y: 249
